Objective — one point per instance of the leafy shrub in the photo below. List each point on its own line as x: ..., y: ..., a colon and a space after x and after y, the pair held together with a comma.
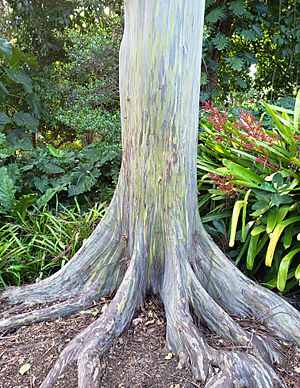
x: 35, y: 175
x: 80, y: 93
x: 252, y: 175
x: 44, y: 241
x: 19, y: 105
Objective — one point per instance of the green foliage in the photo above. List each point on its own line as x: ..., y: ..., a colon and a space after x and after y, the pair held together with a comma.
x: 241, y: 33
x: 44, y: 241
x: 19, y: 105
x: 40, y: 173
x: 33, y: 23
x: 80, y: 95
x: 252, y: 175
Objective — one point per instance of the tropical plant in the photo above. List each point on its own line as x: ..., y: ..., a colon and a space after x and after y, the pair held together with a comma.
x: 43, y: 241
x: 34, y: 175
x: 253, y: 178
x: 20, y: 108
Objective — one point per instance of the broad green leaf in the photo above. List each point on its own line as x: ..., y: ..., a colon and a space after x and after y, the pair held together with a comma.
x: 5, y: 48
x: 34, y: 102
x: 278, y: 199
x: 235, y: 63
x: 26, y: 120
x: 245, y: 184
x: 4, y: 119
x: 284, y: 267
x: 268, y: 187
x: 242, y: 173
x: 242, y: 83
x: 282, y: 212
x: 204, y: 79
x: 238, y: 7
x: 281, y: 109
x: 44, y: 199
x: 19, y: 77
x: 277, y: 180
x: 215, y: 216
x: 258, y: 229
x: 7, y: 191
x: 56, y: 152
x: 248, y: 34
x: 272, y: 219
x: 288, y: 236
x: 220, y: 41
x: 215, y: 14
x: 24, y: 202
x: 285, y: 132
x: 220, y: 226
x: 3, y: 90
x: 297, y: 272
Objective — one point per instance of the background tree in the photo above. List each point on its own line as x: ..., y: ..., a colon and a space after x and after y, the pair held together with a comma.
x: 151, y: 238
x: 241, y: 33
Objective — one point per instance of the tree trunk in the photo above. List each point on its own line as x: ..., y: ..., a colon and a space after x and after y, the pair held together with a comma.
x: 151, y: 238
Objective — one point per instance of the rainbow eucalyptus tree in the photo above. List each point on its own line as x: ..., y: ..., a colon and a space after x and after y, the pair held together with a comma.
x: 151, y: 239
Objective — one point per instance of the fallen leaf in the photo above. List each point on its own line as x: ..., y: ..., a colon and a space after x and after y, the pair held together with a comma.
x: 24, y: 369
x: 169, y: 356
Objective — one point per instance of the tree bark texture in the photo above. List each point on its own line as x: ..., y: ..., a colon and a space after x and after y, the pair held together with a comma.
x: 151, y: 239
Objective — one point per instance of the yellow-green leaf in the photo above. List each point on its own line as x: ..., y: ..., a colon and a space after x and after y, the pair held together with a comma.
x: 234, y: 221
x: 283, y: 269
x: 251, y: 253
x: 274, y: 237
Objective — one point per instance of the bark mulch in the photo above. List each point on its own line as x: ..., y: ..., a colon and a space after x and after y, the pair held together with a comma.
x: 138, y: 358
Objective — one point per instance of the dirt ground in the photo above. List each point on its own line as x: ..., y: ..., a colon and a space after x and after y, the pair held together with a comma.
x: 138, y: 358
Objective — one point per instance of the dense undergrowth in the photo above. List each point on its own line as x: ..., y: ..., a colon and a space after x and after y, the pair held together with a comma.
x: 249, y: 189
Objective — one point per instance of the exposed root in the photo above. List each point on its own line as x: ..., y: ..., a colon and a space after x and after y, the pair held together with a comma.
x: 185, y: 284
x: 237, y: 369
x: 96, y: 339
x: 219, y: 322
x: 241, y: 296
x: 55, y: 311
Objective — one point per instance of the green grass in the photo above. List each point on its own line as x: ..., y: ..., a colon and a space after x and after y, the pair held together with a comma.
x: 35, y: 246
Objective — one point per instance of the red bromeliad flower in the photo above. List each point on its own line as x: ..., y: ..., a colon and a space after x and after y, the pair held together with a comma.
x: 250, y: 133
x: 223, y: 184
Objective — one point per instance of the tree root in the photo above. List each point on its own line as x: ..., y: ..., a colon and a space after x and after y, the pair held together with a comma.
x: 239, y: 295
x: 184, y: 286
x: 237, y: 369
x: 96, y: 339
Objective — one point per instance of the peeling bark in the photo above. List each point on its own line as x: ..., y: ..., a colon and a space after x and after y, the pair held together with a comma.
x: 151, y: 239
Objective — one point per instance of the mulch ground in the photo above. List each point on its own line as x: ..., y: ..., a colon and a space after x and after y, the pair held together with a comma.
x: 138, y: 358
